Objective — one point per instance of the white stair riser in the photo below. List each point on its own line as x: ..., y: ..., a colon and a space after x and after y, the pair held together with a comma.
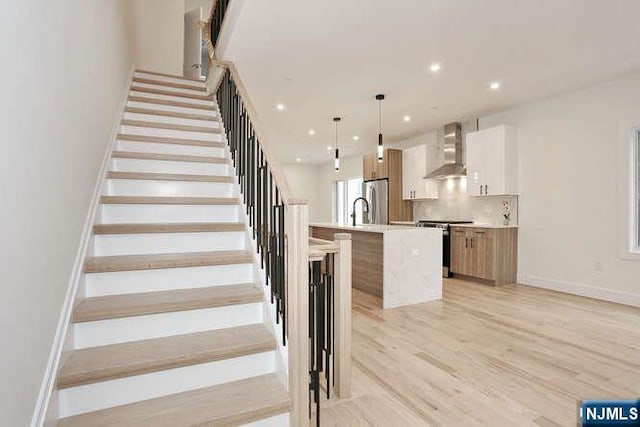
x: 154, y: 147
x: 112, y: 331
x: 138, y: 214
x: 170, y: 133
x: 155, y: 243
x: 93, y: 397
x: 213, y: 123
x: 131, y: 282
x: 160, y: 107
x: 178, y: 91
x: 149, y: 76
x: 136, y: 187
x: 281, y: 420
x: 170, y: 98
x: 170, y: 166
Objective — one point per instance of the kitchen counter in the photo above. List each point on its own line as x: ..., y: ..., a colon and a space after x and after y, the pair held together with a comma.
x: 400, y: 264
x: 368, y: 228
x: 481, y: 225
x: 409, y: 223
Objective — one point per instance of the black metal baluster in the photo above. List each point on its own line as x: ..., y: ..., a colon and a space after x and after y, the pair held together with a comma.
x: 283, y: 257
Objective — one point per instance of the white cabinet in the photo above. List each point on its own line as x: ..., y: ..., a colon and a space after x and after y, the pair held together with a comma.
x: 492, y: 162
x: 414, y: 168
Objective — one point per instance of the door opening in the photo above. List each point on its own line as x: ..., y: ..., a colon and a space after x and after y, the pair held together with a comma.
x: 194, y: 46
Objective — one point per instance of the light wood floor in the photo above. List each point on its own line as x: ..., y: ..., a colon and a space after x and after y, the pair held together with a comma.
x: 508, y: 356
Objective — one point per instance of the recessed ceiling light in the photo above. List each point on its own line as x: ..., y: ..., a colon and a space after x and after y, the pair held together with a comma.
x: 280, y: 107
x: 494, y: 85
x: 298, y: 160
x: 356, y: 138
x: 407, y: 118
x: 329, y: 148
x: 435, y: 67
x: 312, y: 132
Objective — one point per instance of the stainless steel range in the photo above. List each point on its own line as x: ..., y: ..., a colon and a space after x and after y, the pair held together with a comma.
x: 446, y: 240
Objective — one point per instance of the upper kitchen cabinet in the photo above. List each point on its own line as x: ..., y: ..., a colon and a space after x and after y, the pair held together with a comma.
x: 372, y: 169
x: 414, y: 168
x: 492, y: 162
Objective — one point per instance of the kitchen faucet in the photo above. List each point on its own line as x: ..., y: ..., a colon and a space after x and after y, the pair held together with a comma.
x: 353, y: 213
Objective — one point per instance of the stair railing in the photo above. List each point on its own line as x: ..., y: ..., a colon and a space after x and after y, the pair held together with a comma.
x: 329, y: 319
x: 280, y: 228
x: 279, y: 224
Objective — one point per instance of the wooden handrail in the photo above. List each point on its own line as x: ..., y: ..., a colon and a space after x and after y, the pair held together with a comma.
x: 322, y: 246
x: 265, y: 145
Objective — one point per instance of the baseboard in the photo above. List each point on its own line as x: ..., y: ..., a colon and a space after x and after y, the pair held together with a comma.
x: 42, y: 413
x: 581, y: 290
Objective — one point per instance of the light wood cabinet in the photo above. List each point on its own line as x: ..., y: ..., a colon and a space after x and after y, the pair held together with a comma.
x: 459, y: 258
x: 492, y: 162
x: 391, y: 169
x: 369, y: 167
x: 414, y: 168
x: 372, y: 169
x: 487, y: 254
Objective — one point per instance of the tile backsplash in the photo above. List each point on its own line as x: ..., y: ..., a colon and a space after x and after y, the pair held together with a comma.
x: 454, y: 204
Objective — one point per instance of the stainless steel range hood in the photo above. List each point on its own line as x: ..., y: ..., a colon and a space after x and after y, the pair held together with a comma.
x: 454, y: 166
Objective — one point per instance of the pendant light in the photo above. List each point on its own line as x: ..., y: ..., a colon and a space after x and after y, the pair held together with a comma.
x: 380, y: 98
x: 336, y: 163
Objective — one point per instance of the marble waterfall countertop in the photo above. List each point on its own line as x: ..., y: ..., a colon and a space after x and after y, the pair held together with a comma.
x: 402, y: 264
x: 483, y: 225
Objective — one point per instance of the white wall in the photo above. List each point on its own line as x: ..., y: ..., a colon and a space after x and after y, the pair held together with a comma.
x: 65, y: 68
x: 569, y: 179
x: 304, y: 182
x: 159, y: 35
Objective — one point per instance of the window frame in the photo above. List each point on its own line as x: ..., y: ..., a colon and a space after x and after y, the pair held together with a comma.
x: 629, y: 220
x: 343, y: 218
x: 635, y: 192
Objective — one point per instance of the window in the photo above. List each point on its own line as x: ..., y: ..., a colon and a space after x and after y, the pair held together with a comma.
x: 636, y: 190
x: 344, y: 193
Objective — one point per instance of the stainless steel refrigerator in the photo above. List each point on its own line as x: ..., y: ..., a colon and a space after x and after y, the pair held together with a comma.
x: 377, y: 194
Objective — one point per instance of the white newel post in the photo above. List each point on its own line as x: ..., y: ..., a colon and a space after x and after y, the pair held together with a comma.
x: 343, y: 315
x: 297, y: 232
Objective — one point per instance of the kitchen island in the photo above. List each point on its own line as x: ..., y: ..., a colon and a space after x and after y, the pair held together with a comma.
x: 400, y: 264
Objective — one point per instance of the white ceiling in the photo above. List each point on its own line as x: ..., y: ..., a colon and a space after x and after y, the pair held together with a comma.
x: 330, y: 57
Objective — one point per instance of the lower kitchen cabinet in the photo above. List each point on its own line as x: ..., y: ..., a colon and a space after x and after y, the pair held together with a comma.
x: 487, y: 254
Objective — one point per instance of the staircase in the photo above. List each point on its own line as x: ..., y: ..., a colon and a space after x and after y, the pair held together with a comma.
x: 171, y: 325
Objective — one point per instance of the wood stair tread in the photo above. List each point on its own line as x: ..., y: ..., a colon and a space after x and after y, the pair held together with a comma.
x: 175, y: 114
x: 104, y: 264
x: 142, y: 80
x: 95, y: 364
x: 168, y: 140
x: 176, y: 227
x: 170, y: 126
x: 139, y: 304
x: 173, y: 76
x: 233, y: 403
x: 168, y: 200
x: 170, y: 93
x: 169, y: 177
x: 168, y: 157
x: 167, y: 102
